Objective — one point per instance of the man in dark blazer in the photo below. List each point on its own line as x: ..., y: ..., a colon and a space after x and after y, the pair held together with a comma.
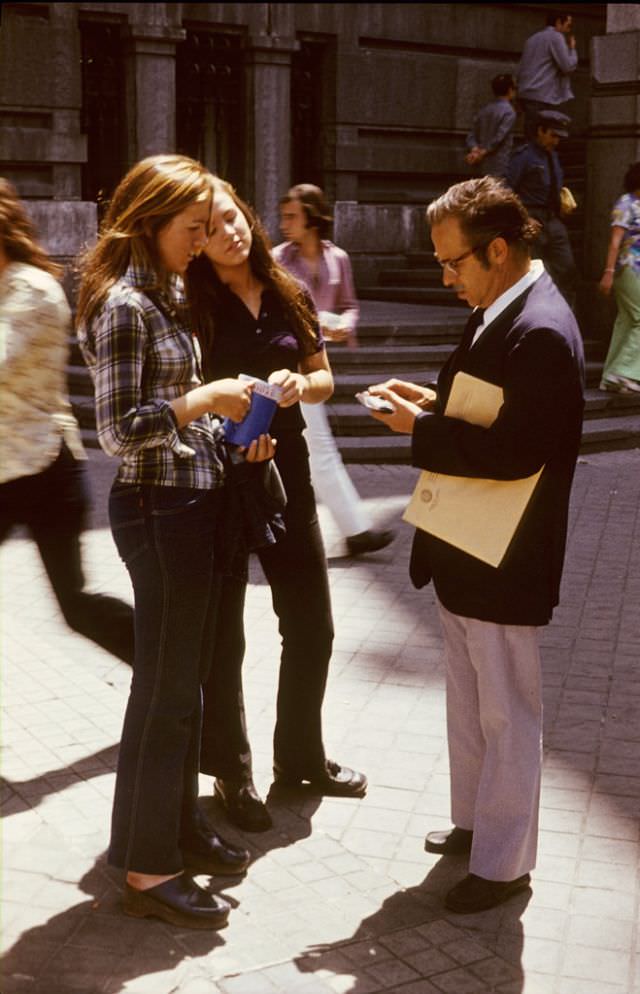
x: 521, y: 337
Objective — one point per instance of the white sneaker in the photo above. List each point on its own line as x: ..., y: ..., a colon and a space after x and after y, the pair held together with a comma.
x: 619, y: 384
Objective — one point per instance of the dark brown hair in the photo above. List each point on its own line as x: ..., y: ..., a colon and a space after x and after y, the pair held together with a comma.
x: 486, y: 208
x: 557, y: 15
x: 204, y: 286
x: 18, y: 234
x: 314, y: 204
x: 149, y: 196
x: 632, y: 178
x: 502, y: 84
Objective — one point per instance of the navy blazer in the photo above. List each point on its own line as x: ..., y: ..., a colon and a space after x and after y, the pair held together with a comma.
x: 533, y: 350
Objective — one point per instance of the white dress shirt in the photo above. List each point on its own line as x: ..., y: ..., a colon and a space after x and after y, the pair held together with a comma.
x: 501, y: 303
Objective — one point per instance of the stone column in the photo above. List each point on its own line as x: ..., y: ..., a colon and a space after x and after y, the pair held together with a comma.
x: 614, y: 138
x: 151, y: 80
x: 271, y: 43
x: 42, y: 149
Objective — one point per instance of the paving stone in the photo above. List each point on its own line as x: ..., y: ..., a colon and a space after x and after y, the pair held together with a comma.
x: 342, y: 898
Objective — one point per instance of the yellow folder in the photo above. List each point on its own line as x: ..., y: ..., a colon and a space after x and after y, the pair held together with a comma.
x: 479, y: 516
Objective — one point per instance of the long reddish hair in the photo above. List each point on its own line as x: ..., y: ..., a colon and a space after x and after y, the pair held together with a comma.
x: 18, y: 234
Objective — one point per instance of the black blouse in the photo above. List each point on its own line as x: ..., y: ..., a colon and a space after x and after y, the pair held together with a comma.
x: 257, y: 347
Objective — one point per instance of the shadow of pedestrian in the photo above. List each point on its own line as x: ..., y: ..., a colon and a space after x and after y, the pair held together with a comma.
x: 412, y: 937
x: 92, y: 947
x: 17, y: 795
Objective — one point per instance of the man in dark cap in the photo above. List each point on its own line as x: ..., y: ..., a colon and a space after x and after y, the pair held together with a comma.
x: 536, y: 176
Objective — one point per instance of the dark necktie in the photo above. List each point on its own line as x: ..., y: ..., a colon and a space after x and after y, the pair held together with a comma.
x: 474, y: 322
x: 553, y: 200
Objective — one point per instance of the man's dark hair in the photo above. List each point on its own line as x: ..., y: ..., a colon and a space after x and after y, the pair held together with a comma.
x: 632, y: 178
x: 314, y: 204
x: 502, y: 84
x: 557, y: 15
x: 485, y: 208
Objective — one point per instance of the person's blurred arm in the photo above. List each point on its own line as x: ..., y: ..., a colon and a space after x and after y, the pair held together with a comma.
x: 615, y: 241
x: 563, y: 52
x: 347, y: 303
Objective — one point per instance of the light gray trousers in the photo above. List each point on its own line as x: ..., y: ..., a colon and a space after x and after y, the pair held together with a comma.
x: 494, y: 725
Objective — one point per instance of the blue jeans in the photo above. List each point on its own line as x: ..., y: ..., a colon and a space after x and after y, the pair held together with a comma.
x: 165, y: 536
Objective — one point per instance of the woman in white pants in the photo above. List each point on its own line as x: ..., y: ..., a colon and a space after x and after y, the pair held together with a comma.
x: 326, y: 270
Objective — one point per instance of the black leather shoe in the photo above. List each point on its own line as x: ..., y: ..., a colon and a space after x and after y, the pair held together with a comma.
x: 369, y: 541
x: 477, y: 894
x: 179, y: 901
x: 211, y: 853
x: 334, y: 780
x: 452, y: 842
x: 243, y: 805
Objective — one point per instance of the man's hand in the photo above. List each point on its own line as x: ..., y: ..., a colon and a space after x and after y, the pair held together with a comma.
x: 405, y: 414
x: 476, y: 154
x: 422, y: 397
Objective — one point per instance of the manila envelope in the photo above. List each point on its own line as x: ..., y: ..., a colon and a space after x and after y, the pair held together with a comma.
x: 479, y: 516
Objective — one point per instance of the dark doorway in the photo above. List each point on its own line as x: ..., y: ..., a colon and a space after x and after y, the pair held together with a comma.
x: 312, y: 119
x: 103, y: 116
x: 210, y: 101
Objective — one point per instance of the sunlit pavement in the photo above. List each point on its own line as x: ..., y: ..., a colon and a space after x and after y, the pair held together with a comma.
x: 341, y: 896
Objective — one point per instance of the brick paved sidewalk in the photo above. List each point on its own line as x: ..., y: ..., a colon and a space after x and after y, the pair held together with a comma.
x: 341, y: 896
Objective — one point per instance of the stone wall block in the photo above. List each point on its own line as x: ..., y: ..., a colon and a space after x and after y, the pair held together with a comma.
x: 40, y: 145
x: 409, y: 91
x: 380, y: 228
x: 64, y: 227
x: 615, y: 58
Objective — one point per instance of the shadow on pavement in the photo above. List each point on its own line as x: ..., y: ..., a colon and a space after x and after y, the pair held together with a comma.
x: 412, y: 932
x: 93, y: 946
x: 18, y: 794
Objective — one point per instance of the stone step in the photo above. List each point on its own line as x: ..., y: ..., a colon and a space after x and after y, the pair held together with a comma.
x: 410, y: 294
x: 349, y: 419
x: 388, y: 357
x: 597, y: 436
x: 358, y: 377
x: 410, y: 277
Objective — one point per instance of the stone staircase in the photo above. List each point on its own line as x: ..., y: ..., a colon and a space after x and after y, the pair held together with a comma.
x: 410, y: 339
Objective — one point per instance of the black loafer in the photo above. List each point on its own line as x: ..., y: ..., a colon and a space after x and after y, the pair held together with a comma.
x: 211, y: 853
x: 334, y: 780
x: 455, y: 841
x: 179, y: 901
x: 243, y: 805
x: 477, y: 894
x: 369, y: 541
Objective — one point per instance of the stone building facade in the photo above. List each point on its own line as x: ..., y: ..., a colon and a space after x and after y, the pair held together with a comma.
x: 370, y: 101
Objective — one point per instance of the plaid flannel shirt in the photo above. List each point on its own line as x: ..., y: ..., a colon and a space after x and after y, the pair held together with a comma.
x: 142, y: 354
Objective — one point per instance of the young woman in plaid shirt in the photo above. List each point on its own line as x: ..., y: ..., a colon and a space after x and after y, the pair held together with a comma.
x: 154, y: 412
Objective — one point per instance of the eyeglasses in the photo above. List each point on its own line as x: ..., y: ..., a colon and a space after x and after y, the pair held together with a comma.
x: 453, y: 264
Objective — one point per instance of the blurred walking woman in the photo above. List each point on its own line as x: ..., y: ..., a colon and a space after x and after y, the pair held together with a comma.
x: 621, y: 373
x: 43, y: 480
x: 253, y: 317
x: 153, y: 411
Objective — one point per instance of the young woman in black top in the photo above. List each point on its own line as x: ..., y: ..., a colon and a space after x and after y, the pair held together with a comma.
x: 252, y: 317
